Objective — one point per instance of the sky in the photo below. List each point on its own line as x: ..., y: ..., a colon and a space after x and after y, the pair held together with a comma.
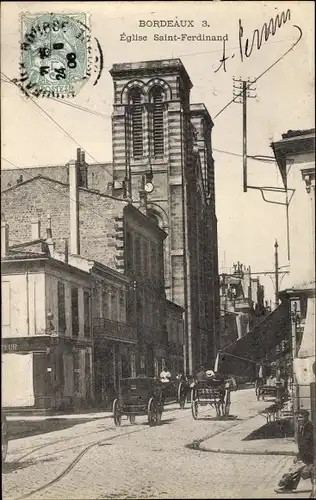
x: 247, y: 226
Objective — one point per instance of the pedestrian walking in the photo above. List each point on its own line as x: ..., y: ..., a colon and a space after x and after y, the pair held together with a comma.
x: 303, y: 464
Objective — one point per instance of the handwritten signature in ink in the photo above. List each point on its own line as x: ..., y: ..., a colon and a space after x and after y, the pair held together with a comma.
x: 246, y: 46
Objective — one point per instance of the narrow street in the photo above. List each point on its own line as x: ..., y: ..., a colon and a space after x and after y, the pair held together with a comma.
x: 98, y: 461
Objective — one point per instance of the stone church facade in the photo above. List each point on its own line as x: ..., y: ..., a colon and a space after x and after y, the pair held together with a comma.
x: 162, y: 146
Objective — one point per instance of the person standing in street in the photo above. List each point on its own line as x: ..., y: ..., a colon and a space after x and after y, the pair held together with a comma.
x: 165, y: 375
x: 304, y: 463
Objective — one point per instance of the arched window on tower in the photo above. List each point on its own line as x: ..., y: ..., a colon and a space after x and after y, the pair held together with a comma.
x: 136, y: 100
x: 157, y: 97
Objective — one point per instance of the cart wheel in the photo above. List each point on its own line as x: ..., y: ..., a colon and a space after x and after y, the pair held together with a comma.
x: 194, y: 409
x: 217, y: 409
x: 227, y: 408
x: 132, y: 419
x: 116, y: 413
x: 181, y: 395
x: 152, y: 413
x: 180, y: 392
x: 158, y: 416
x: 227, y: 402
x: 4, y: 442
x: 194, y: 406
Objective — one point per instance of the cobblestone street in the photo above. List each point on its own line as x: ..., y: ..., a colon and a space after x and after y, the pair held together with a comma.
x: 95, y: 460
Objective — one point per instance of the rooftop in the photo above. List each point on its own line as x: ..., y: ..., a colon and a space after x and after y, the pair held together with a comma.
x: 293, y: 143
x: 200, y: 109
x: 151, y: 67
x: 20, y: 255
x: 296, y: 133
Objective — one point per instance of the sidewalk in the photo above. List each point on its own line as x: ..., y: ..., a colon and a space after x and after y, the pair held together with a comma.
x: 232, y: 441
x: 80, y: 415
x: 70, y: 416
x: 22, y: 425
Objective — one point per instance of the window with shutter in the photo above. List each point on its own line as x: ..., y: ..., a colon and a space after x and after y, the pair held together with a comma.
x: 137, y: 122
x: 75, y: 311
x: 157, y: 121
x: 61, y: 307
x: 87, y: 314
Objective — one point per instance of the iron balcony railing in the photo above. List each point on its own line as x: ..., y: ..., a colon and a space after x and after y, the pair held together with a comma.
x: 114, y: 330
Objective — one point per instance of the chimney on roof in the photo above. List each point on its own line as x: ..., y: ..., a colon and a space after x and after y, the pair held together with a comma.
x: 66, y: 251
x: 74, y: 206
x: 49, y: 227
x: 49, y: 237
x: 82, y: 172
x: 4, y: 239
x: 35, y: 229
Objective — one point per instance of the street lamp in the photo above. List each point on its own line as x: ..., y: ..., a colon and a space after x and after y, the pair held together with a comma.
x: 295, y: 319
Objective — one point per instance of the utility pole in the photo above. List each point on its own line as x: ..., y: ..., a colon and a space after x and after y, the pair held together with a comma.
x: 278, y: 373
x: 276, y: 273
x: 244, y: 135
x: 242, y: 90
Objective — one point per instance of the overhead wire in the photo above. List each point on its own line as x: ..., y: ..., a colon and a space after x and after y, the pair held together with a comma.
x: 220, y: 112
x: 80, y: 108
x: 261, y: 158
x: 63, y: 129
x: 250, y: 83
x: 68, y: 103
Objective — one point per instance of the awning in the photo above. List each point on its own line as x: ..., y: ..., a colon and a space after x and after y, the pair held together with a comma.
x: 241, y: 357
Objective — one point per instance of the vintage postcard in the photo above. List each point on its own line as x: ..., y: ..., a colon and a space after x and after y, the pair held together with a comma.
x: 157, y: 250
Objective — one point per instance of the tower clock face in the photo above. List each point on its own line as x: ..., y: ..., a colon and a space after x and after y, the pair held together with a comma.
x: 149, y: 187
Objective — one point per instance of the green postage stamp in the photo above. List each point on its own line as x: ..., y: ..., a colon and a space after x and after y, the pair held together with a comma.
x: 55, y: 53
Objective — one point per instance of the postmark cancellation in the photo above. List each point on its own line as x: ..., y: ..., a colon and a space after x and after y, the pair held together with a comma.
x: 55, y: 53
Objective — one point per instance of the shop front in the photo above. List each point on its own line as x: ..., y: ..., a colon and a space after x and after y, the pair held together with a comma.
x: 112, y: 361
x: 39, y: 373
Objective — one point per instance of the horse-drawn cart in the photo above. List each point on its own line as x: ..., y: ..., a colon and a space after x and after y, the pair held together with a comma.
x: 176, y: 391
x: 269, y: 388
x: 266, y: 391
x: 216, y: 395
x: 139, y: 396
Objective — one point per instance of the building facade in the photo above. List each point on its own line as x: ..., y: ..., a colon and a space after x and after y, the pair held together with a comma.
x: 114, y: 340
x: 117, y: 235
x: 242, y: 304
x: 162, y: 143
x: 295, y: 155
x: 175, y: 329
x: 46, y: 329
